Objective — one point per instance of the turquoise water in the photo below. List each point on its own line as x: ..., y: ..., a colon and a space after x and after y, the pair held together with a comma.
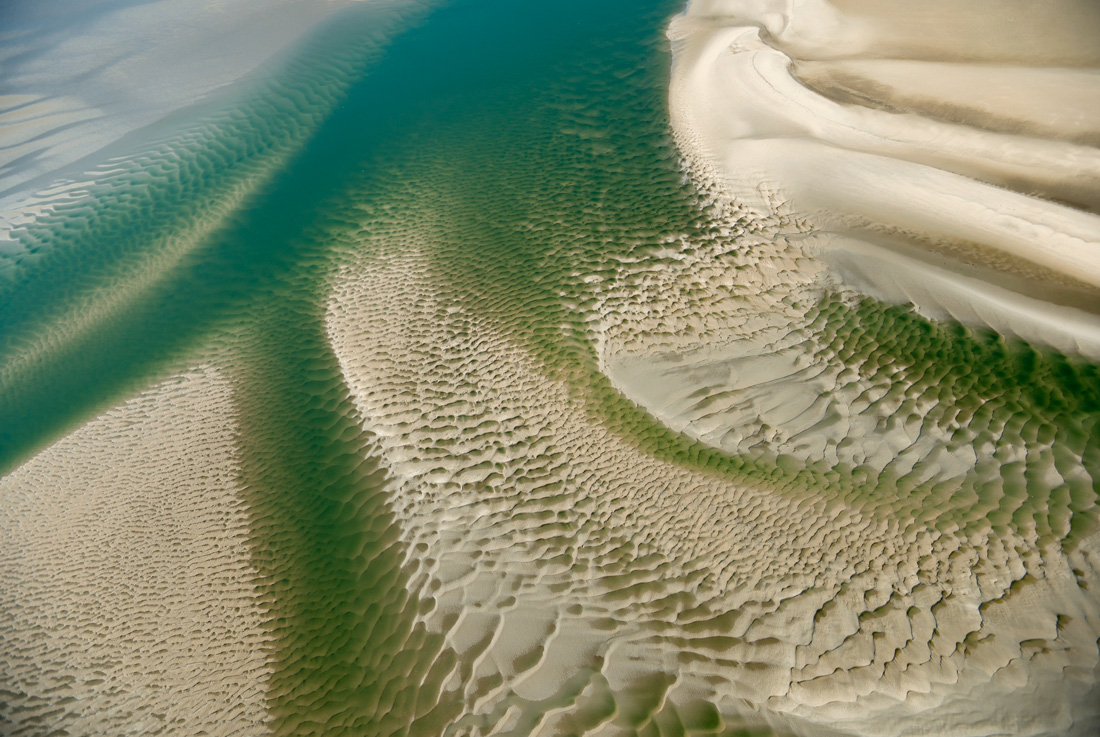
x: 533, y: 140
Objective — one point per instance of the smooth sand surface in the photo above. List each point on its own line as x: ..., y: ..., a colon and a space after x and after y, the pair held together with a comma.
x: 878, y: 159
x: 127, y: 597
x: 1042, y: 101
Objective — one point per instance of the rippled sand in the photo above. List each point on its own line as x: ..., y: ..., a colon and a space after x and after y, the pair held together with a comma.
x: 524, y: 412
x: 129, y: 603
x: 927, y: 157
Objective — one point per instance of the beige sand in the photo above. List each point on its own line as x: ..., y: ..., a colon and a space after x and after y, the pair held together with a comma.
x: 127, y: 598
x: 587, y: 586
x: 592, y: 588
x: 1041, y: 101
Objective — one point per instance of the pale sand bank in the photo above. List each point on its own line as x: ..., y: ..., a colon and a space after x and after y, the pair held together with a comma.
x: 1039, y: 101
x: 127, y: 596
x: 871, y: 166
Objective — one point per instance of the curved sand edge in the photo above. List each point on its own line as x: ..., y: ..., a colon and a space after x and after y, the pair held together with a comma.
x: 570, y: 572
x: 128, y: 598
x: 862, y: 171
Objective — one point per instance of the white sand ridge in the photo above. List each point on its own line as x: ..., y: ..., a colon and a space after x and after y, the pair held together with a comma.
x: 869, y: 173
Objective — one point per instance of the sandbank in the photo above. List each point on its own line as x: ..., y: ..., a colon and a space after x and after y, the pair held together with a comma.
x: 873, y: 138
x: 128, y: 598
x: 879, y: 160
x: 582, y: 581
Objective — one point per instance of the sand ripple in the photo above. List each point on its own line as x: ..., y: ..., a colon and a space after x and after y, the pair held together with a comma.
x: 653, y: 467
x: 519, y: 414
x: 129, y: 604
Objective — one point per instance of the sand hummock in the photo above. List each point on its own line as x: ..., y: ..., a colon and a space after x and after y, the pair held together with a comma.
x: 129, y: 602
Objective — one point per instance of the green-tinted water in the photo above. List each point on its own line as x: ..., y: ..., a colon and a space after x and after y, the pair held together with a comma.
x: 530, y: 140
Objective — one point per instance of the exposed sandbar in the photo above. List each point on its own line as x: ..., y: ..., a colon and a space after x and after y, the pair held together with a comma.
x: 878, y: 161
x: 127, y: 595
x: 578, y: 578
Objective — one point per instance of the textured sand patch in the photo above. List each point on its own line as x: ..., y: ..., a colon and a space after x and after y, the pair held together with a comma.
x: 127, y: 598
x: 569, y: 570
x: 804, y: 509
x: 968, y: 214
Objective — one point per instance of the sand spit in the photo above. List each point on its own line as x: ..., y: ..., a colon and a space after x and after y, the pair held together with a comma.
x: 798, y: 108
x: 128, y: 599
